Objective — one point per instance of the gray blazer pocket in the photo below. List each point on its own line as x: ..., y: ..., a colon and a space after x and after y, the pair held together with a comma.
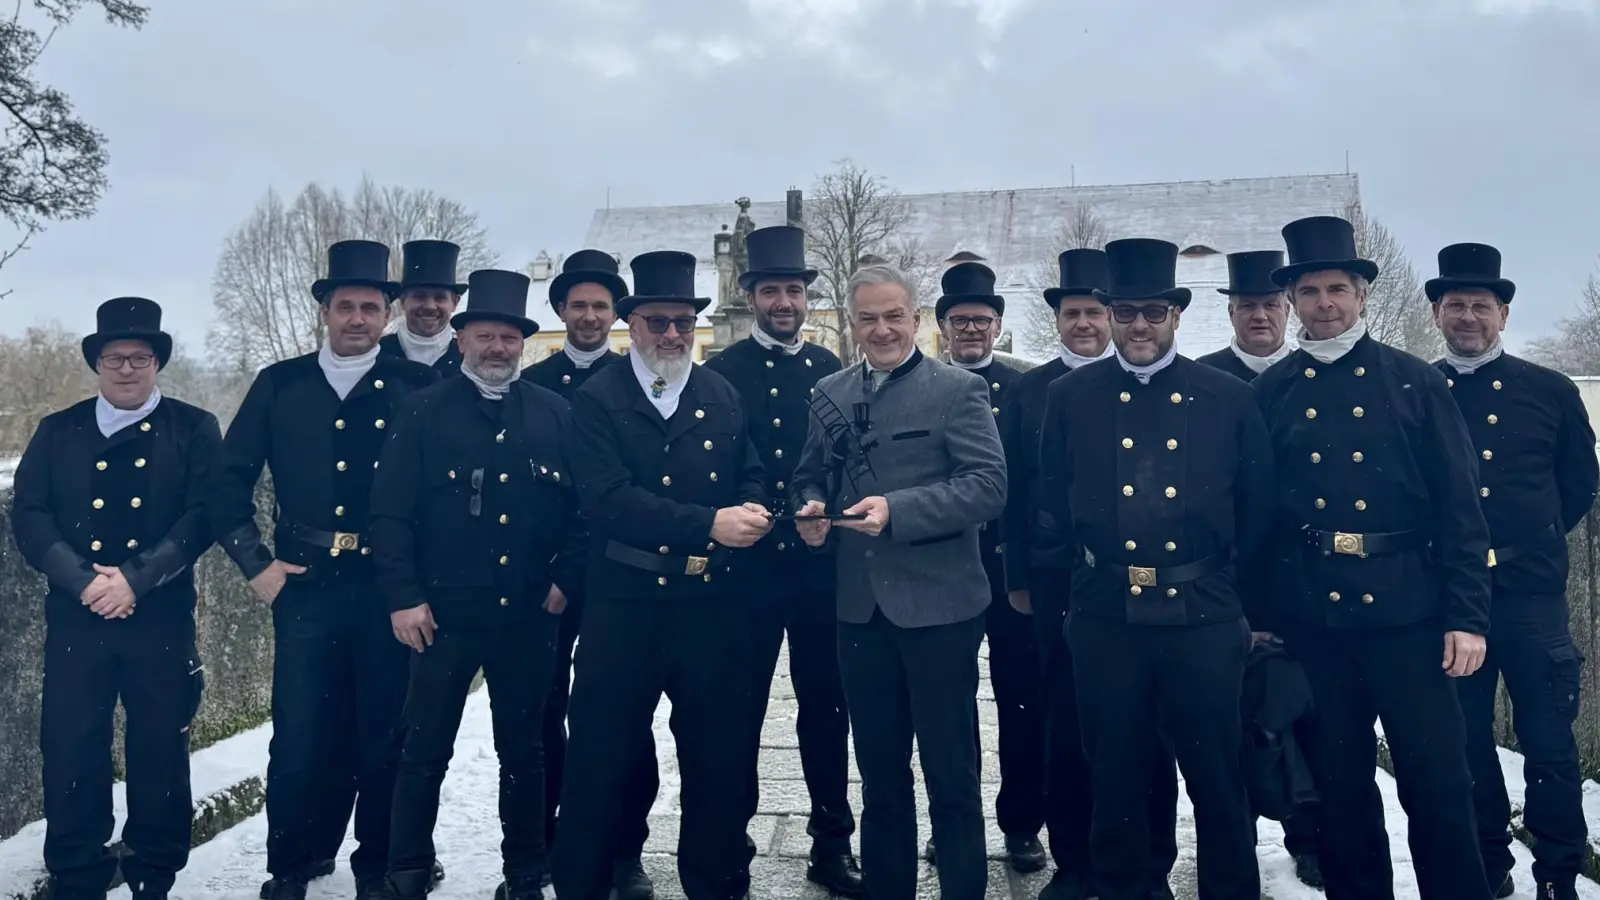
x: 908, y: 435
x: 937, y: 540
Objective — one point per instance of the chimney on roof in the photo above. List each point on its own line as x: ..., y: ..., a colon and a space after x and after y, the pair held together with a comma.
x: 793, y: 213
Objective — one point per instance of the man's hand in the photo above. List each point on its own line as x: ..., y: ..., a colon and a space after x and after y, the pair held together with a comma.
x: 116, y: 601
x: 414, y: 627
x: 272, y: 578
x: 813, y: 531
x: 1259, y: 638
x: 876, y: 510
x: 740, y: 526
x: 96, y: 588
x: 1021, y: 602
x: 1463, y: 653
x: 555, y: 602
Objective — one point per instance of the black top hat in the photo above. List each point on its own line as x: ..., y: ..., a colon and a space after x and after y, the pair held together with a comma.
x: 1470, y: 265
x: 778, y: 251
x: 1143, y: 269
x: 968, y: 282
x: 1320, y: 243
x: 1250, y: 272
x: 591, y: 266
x: 1082, y: 272
x: 662, y: 276
x: 128, y: 319
x: 430, y: 264
x: 363, y: 263
x: 496, y: 295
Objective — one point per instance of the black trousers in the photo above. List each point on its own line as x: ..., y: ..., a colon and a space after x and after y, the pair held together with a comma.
x: 152, y: 666
x: 1190, y: 677
x: 1014, y: 674
x: 1361, y: 676
x: 905, y: 683
x: 516, y: 663
x: 1300, y: 830
x: 629, y: 653
x: 338, y: 698
x: 645, y: 782
x: 1069, y: 801
x: 822, y: 724
x: 1531, y: 646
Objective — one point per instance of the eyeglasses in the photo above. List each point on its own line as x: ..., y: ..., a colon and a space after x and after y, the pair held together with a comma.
x: 976, y: 323
x: 1155, y: 315
x: 137, y: 360
x: 658, y: 324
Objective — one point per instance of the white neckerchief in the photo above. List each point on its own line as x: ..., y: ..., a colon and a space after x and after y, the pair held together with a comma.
x: 667, y: 403
x: 487, y: 390
x: 1258, y: 364
x: 879, y: 376
x: 1466, y: 365
x: 344, y: 372
x: 425, y: 350
x: 112, y: 419
x: 583, y: 359
x: 772, y: 343
x: 1335, y: 347
x: 1143, y: 373
x: 984, y: 363
x: 1073, y: 360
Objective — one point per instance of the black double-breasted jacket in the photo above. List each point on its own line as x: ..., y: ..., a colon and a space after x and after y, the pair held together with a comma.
x: 446, y: 365
x: 1378, y: 517
x: 1167, y: 486
x: 1033, y: 540
x: 322, y: 452
x: 1228, y: 361
x: 1537, y: 471
x: 473, y: 508
x: 134, y: 500
x: 776, y: 389
x: 1002, y: 381
x: 557, y: 372
x: 650, y: 488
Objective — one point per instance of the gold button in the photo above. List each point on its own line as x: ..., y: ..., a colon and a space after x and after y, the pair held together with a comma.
x: 1125, y: 396
x: 701, y: 414
x: 338, y: 510
x: 773, y: 392
x: 1358, y: 412
x: 1172, y: 592
x: 333, y: 551
x: 1172, y: 443
x: 1497, y: 385
x: 778, y: 453
x: 505, y: 601
x: 1135, y: 590
x: 1334, y: 596
x: 379, y: 424
x: 556, y: 475
x: 505, y: 560
x: 1449, y: 382
x: 1356, y: 456
x: 995, y: 410
x: 995, y: 386
x: 338, y: 423
x: 1321, y: 503
x: 769, y: 364
x: 707, y: 445
x: 94, y: 545
x: 1361, y: 505
x: 566, y: 379
x: 1493, y: 418
x: 133, y: 545
x: 1127, y: 443
x: 1127, y: 490
x: 662, y: 580
x: 504, y: 477
x: 365, y: 551
x: 505, y: 519
x: 782, y: 546
x: 1483, y: 492
x: 1311, y: 373
x: 1171, y: 492
x: 1488, y: 454
x: 1311, y: 414
x: 1171, y: 546
x: 451, y: 473
x: 780, y: 485
x: 706, y: 577
x: 339, y: 465
x: 712, y: 545
x: 808, y: 365
x: 101, y: 465
x: 663, y: 549
x: 1360, y: 371
x: 666, y: 480
x: 1316, y: 457
x: 144, y: 426
x: 1176, y: 397
x: 713, y: 476
x: 378, y: 384
x: 1366, y: 598
x: 98, y: 503
x: 1131, y: 545
x: 777, y: 423
x: 138, y: 463
x: 500, y: 438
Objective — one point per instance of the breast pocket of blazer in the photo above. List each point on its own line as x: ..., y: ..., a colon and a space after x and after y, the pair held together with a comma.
x: 910, y: 435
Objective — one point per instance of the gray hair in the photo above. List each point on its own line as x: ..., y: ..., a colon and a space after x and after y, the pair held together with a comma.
x: 879, y: 273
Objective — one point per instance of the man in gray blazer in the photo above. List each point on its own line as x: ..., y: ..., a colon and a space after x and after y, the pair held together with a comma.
x: 911, y: 585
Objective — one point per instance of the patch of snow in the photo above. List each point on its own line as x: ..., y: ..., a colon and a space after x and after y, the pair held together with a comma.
x: 8, y: 470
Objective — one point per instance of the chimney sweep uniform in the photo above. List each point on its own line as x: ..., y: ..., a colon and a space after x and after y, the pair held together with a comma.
x: 1040, y: 556
x: 1165, y: 476
x: 1014, y: 669
x: 665, y: 608
x: 1380, y: 550
x: 333, y: 647
x: 1527, y: 423
x: 428, y: 264
x: 797, y: 596
x: 102, y: 486
x: 474, y: 514
x: 565, y: 373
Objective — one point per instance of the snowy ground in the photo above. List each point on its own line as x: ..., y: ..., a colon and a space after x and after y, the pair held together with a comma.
x: 232, y: 866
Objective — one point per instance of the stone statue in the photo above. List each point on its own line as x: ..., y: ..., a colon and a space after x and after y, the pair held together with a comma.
x: 741, y: 228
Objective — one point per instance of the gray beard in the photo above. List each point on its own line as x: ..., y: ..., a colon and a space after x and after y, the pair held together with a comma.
x: 670, y: 370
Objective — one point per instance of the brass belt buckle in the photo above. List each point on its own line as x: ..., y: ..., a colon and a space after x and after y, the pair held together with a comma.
x: 696, y: 565
x: 1349, y: 544
x: 1491, y: 558
x: 344, y: 540
x: 1141, y: 576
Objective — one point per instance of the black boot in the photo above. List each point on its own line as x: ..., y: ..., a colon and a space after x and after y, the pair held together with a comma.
x: 1161, y: 891
x: 322, y: 868
x: 372, y: 888
x: 1065, y: 885
x: 1565, y: 889
x: 150, y: 889
x: 408, y: 884
x: 1025, y: 852
x: 1308, y: 870
x: 630, y: 881
x: 838, y: 872
x: 287, y: 888
x: 521, y: 887
x: 435, y: 874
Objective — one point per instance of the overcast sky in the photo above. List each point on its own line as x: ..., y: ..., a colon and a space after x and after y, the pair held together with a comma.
x: 1465, y: 119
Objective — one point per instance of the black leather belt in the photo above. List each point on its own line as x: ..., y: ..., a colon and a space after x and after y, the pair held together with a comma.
x: 1148, y: 576
x: 660, y: 563
x: 1501, y: 555
x: 326, y: 540
x: 1364, y: 545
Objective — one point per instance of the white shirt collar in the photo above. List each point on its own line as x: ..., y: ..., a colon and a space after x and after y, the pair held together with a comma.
x: 1144, y: 373
x: 662, y: 394
x: 1335, y: 347
x: 425, y: 350
x: 583, y: 359
x: 344, y: 372
x: 1073, y: 360
x: 1466, y: 365
x: 772, y: 343
x: 112, y: 419
x: 1258, y: 364
x: 984, y: 363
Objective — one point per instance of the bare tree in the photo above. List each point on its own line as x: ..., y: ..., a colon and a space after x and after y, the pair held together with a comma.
x: 1081, y: 228
x: 852, y: 215
x: 1574, y: 348
x: 262, y: 285
x: 41, y: 371
x: 1398, y: 312
x: 52, y: 163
